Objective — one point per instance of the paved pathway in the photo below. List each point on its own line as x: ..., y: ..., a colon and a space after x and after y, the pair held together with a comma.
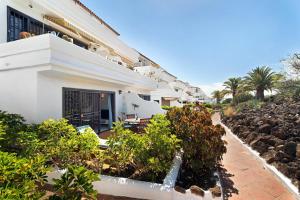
x: 245, y: 177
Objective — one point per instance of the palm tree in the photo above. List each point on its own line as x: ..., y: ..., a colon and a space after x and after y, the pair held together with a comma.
x: 232, y: 85
x: 261, y: 79
x: 218, y: 95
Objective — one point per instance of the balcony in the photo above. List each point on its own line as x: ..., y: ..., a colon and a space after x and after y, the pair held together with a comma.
x: 50, y: 53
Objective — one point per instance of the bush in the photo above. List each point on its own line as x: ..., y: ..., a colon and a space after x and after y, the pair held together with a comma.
x: 289, y: 88
x: 62, y: 144
x: 227, y: 101
x: 166, y: 107
x: 13, y: 128
x: 150, y: 154
x: 54, y: 142
x: 252, y: 104
x: 243, y: 97
x: 75, y: 183
x: 201, y: 141
x: 19, y: 176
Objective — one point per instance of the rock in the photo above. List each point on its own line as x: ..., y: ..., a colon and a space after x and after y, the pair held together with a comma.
x: 280, y: 155
x: 216, y: 191
x: 180, y: 189
x: 251, y: 137
x: 265, y: 128
x: 274, y: 131
x: 259, y: 146
x: 197, y: 190
x: 298, y: 152
x: 279, y: 147
x: 290, y: 148
x: 269, y: 156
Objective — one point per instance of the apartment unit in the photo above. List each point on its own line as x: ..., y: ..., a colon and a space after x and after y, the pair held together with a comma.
x: 59, y: 59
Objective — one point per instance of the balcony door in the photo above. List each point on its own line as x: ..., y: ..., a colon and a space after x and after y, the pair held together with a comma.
x: 89, y: 107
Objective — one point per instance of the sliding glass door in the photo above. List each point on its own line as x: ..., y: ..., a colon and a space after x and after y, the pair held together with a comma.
x: 89, y: 107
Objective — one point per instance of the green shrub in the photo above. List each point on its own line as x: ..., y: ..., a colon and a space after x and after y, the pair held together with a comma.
x: 252, y: 104
x: 62, y: 144
x: 13, y: 128
x: 201, y: 141
x: 207, y: 105
x: 227, y: 101
x: 166, y: 107
x: 243, y: 97
x: 75, y: 184
x: 150, y: 154
x: 289, y: 88
x: 19, y: 176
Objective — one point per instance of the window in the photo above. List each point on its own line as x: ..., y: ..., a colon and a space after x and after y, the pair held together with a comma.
x: 89, y: 107
x: 145, y: 97
x: 18, y: 22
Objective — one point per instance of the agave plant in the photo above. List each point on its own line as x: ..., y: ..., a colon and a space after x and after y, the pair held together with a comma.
x: 261, y: 79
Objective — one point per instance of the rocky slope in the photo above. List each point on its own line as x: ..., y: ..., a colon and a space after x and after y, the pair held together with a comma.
x: 274, y: 131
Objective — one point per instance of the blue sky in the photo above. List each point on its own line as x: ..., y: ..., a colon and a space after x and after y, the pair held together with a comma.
x: 205, y: 42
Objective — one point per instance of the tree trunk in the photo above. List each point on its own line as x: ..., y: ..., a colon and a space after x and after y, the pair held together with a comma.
x: 260, y: 94
x: 233, y: 97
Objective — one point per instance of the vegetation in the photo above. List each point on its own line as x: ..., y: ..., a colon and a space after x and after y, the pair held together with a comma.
x: 261, y: 79
x: 166, y: 107
x: 201, y: 141
x: 74, y: 184
x: 218, y: 95
x: 27, y: 152
x: 232, y: 86
x: 150, y: 154
x: 20, y: 177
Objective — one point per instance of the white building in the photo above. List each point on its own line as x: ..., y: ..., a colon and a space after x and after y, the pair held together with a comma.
x: 84, y: 77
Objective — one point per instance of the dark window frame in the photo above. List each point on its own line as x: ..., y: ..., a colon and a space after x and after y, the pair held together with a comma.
x: 33, y: 26
x: 80, y: 100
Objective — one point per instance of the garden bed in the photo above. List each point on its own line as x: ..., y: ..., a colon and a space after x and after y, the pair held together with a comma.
x: 125, y: 187
x: 120, y: 186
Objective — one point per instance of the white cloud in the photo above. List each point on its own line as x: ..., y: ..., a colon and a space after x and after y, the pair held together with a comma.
x: 208, y: 89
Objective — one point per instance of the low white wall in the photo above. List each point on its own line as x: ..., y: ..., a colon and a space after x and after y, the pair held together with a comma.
x: 125, y: 187
x: 145, y: 108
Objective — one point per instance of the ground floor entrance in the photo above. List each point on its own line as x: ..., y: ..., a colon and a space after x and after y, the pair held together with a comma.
x: 89, y: 107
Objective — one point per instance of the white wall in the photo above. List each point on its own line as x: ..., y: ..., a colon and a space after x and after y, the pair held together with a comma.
x: 18, y: 92
x: 68, y: 10
x: 145, y: 109
x: 50, y: 86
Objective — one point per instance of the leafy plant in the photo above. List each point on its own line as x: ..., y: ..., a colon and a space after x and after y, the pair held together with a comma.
x: 13, y: 126
x: 150, y: 154
x: 61, y: 143
x: 74, y: 184
x: 19, y: 176
x: 166, y: 107
x: 201, y: 141
x: 251, y: 104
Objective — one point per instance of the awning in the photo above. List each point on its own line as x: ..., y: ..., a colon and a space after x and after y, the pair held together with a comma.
x: 170, y: 98
x: 65, y: 24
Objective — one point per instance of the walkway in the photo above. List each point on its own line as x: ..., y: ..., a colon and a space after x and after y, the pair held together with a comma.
x: 244, y: 176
